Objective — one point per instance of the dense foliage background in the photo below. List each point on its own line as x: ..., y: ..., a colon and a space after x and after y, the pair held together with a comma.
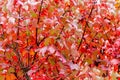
x: 59, y: 39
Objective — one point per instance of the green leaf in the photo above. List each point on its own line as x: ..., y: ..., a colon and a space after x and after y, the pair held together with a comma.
x: 28, y: 32
x: 99, y: 35
x: 52, y: 61
x: 61, y: 64
x: 79, y: 40
x: 4, y: 8
x: 33, y: 14
x: 47, y: 41
x: 8, y: 56
x: 73, y: 8
x: 11, y: 70
x: 114, y: 75
x: 53, y: 32
x: 51, y: 9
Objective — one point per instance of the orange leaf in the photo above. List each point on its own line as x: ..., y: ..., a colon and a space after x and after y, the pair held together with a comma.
x: 32, y: 52
x: 10, y: 77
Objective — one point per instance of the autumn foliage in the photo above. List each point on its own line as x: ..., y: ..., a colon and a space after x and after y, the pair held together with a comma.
x: 59, y: 40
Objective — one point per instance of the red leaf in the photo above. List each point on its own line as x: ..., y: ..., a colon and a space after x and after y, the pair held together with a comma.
x: 15, y: 58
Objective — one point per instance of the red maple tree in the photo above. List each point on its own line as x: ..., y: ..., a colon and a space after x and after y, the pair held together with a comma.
x: 59, y: 40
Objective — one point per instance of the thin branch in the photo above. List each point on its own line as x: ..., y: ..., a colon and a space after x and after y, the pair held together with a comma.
x: 28, y: 59
x: 38, y: 22
x: 15, y: 73
x: 65, y: 12
x: 17, y: 52
x: 38, y: 43
x: 36, y: 36
x: 40, y: 9
x: 85, y: 29
x: 82, y: 36
x: 21, y: 64
x: 58, y: 37
x: 84, y: 33
x: 19, y: 12
x: 34, y: 57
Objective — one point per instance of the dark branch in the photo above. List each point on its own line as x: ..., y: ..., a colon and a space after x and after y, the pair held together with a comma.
x: 40, y: 9
x: 84, y: 33
x: 16, y: 49
x: 34, y: 57
x: 58, y: 37
x: 19, y: 12
x: 38, y: 22
x: 85, y: 29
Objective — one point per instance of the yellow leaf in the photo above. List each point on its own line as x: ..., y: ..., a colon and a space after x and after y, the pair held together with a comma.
x: 28, y: 32
x: 11, y: 70
x: 53, y: 32
x: 52, y: 61
x: 8, y: 55
x: 2, y: 77
x: 33, y: 14
x: 47, y: 41
x: 117, y: 0
x: 89, y: 60
x: 117, y: 5
x: 114, y: 75
x: 79, y: 40
x: 51, y: 9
